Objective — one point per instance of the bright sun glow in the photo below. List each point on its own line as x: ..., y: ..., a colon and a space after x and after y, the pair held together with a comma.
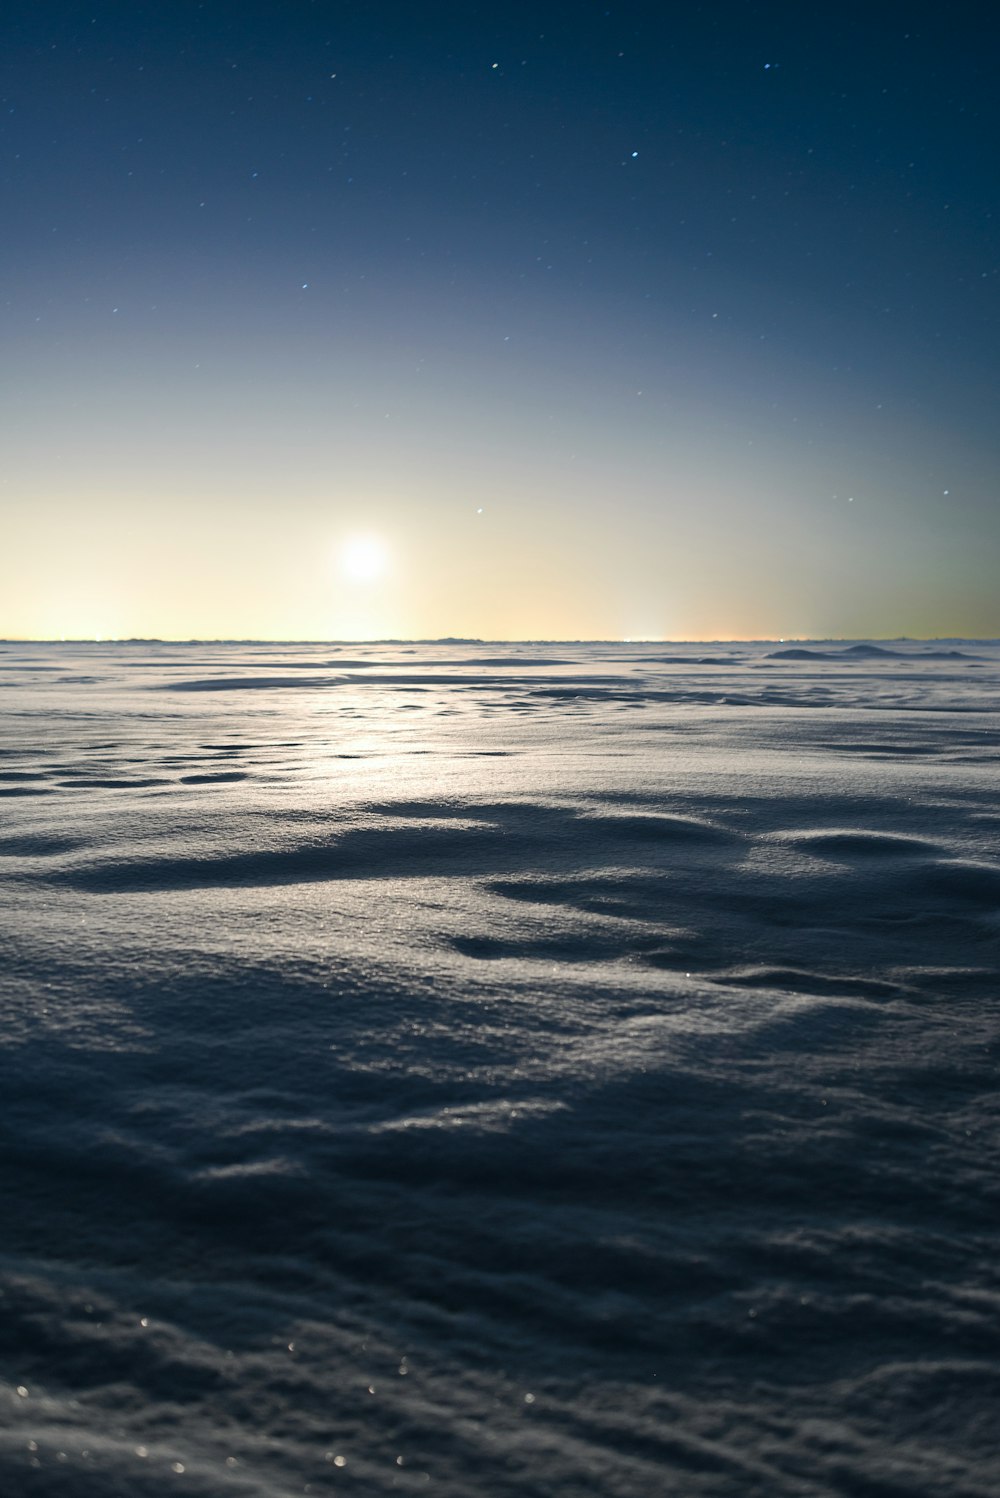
x: 363, y: 558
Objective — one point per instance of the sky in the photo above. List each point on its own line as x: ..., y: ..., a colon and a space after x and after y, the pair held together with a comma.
x: 339, y: 321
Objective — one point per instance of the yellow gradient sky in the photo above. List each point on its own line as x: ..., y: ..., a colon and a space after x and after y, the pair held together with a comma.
x: 184, y: 486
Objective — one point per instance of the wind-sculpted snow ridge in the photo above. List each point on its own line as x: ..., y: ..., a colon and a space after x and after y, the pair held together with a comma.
x: 500, y: 1072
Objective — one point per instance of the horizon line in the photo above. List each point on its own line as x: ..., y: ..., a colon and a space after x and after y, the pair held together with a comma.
x: 505, y: 640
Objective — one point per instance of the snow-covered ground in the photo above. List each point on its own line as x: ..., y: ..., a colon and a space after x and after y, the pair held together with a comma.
x: 500, y: 1071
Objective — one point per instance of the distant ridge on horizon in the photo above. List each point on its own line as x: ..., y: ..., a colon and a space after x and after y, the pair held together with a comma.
x: 793, y: 640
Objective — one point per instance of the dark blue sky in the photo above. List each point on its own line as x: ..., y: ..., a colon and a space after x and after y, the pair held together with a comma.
x: 597, y: 318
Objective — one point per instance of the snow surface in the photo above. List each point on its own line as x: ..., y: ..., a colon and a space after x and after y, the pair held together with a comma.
x: 500, y: 1070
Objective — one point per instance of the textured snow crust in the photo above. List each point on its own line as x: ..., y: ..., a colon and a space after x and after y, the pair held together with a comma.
x: 518, y: 1071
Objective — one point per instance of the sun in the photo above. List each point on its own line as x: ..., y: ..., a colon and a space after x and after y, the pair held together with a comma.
x: 363, y: 558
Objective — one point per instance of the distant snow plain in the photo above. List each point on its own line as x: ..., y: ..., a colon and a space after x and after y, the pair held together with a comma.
x: 539, y: 1071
